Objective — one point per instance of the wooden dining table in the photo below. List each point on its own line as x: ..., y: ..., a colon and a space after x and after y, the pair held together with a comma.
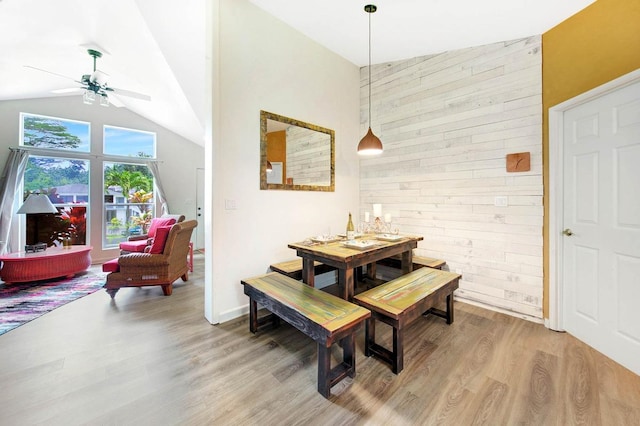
x: 347, y: 259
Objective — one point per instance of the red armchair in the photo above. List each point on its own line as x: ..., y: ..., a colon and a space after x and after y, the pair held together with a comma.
x: 161, y: 266
x: 138, y: 243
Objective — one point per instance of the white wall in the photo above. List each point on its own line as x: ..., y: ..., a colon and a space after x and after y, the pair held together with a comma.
x: 264, y: 64
x: 447, y: 122
x: 179, y: 157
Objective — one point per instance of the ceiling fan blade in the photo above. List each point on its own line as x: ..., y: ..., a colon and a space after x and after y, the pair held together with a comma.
x: 51, y: 72
x: 115, y: 101
x: 129, y: 93
x: 68, y: 90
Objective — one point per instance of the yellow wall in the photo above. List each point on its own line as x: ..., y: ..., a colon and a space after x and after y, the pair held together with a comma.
x: 594, y: 46
x: 277, y: 149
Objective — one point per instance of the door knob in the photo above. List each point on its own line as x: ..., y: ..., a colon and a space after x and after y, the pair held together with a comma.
x: 567, y: 232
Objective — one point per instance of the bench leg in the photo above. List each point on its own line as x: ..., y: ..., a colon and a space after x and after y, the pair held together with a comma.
x: 369, y: 335
x: 255, y: 323
x: 253, y: 316
x: 349, y: 355
x: 446, y: 314
x: 450, y: 308
x: 398, y: 350
x: 395, y: 358
x: 324, y: 369
x: 327, y: 376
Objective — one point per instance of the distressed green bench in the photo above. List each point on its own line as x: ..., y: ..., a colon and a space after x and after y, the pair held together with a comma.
x: 418, y: 262
x: 323, y: 317
x: 293, y: 268
x: 401, y: 301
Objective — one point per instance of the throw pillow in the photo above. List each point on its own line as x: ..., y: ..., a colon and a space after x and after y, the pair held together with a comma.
x: 157, y: 222
x: 160, y: 239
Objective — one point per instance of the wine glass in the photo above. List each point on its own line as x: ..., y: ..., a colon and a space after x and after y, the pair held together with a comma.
x: 326, y: 234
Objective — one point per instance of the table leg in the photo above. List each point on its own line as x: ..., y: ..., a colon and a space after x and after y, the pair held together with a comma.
x: 371, y: 270
x: 407, y: 262
x: 346, y: 282
x: 308, y: 272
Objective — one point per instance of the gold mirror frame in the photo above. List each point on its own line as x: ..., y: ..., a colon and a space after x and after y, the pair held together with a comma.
x: 264, y: 116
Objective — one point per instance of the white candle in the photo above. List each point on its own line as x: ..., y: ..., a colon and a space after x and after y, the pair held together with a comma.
x: 387, y: 217
x: 377, y: 210
x: 366, y: 217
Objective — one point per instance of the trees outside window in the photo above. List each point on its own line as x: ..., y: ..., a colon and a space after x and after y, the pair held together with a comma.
x: 63, y: 179
x: 129, y: 202
x: 40, y: 131
x: 58, y: 167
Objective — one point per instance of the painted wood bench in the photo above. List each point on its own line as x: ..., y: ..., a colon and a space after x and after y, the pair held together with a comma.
x: 401, y: 301
x: 293, y: 268
x: 418, y: 262
x: 323, y: 317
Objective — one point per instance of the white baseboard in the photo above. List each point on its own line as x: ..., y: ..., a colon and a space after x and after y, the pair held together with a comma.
x: 233, y: 313
x: 496, y: 309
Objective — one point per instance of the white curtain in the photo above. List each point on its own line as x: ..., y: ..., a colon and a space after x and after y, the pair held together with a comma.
x: 9, y: 185
x: 153, y: 166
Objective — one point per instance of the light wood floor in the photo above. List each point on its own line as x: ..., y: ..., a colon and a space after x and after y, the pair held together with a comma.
x: 153, y: 360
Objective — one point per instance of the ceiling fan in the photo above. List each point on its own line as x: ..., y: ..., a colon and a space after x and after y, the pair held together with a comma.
x: 95, y: 84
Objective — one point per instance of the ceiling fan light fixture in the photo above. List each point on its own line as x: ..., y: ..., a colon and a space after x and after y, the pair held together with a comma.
x: 89, y: 97
x: 370, y: 144
x: 104, y: 100
x: 98, y: 78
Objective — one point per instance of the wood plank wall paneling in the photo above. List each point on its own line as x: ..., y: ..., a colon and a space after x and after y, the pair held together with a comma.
x: 447, y: 122
x: 308, y: 156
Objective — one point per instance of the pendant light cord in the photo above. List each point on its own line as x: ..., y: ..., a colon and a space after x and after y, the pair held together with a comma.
x: 370, y: 69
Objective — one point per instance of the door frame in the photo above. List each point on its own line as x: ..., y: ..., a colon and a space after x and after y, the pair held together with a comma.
x: 556, y: 195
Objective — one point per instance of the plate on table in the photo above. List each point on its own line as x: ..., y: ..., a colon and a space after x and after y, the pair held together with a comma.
x: 325, y: 239
x: 389, y: 237
x: 355, y: 235
x: 360, y: 244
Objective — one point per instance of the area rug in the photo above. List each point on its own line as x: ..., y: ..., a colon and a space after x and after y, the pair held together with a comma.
x: 23, y: 302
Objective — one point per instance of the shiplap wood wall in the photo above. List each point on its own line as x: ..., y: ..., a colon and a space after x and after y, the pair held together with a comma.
x: 447, y: 122
x: 308, y: 156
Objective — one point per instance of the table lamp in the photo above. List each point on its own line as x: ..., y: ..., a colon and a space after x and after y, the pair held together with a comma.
x: 35, y: 205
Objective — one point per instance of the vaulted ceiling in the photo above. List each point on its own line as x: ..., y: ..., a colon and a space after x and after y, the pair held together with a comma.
x: 158, y: 47
x: 153, y: 47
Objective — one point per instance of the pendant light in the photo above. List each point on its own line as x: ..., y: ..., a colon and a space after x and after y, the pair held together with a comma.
x: 370, y: 144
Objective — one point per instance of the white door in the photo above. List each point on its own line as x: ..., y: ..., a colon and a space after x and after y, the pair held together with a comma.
x: 601, y: 224
x: 199, y: 244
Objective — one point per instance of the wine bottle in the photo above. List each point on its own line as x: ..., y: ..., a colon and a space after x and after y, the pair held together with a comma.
x: 350, y: 229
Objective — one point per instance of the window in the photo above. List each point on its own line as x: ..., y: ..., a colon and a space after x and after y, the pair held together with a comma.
x: 129, y: 203
x: 40, y: 131
x: 129, y: 143
x: 58, y: 167
x: 130, y: 188
x: 65, y: 180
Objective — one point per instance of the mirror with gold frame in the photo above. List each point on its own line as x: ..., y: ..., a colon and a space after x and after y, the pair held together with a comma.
x: 300, y: 156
